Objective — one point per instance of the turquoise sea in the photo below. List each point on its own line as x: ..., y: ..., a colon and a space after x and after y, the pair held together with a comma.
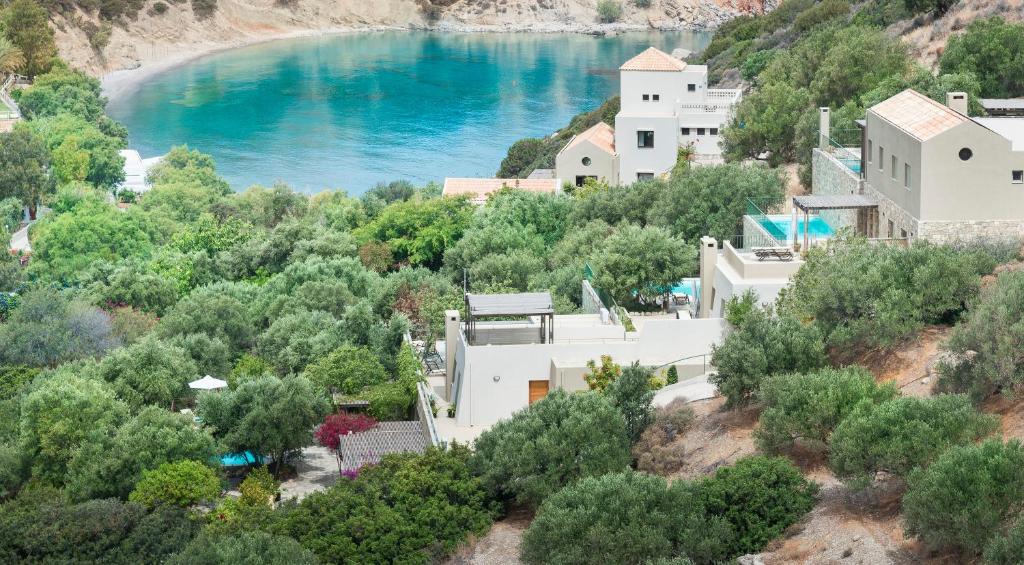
x: 349, y: 111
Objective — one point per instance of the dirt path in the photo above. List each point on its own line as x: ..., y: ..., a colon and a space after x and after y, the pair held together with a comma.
x: 500, y: 546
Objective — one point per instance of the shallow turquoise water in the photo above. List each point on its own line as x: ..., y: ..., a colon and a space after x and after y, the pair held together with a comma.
x: 781, y: 227
x: 350, y: 111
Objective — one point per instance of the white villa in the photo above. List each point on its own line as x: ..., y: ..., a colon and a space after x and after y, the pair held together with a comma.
x: 135, y: 170
x: 665, y: 104
x: 494, y: 368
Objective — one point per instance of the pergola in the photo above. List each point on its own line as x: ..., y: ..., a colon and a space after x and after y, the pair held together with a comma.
x: 511, y: 305
x: 866, y: 222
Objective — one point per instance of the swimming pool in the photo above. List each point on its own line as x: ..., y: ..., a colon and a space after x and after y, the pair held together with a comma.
x: 689, y: 287
x: 240, y: 459
x: 781, y: 227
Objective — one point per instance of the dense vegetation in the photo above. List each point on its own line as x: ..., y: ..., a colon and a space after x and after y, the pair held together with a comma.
x: 298, y: 301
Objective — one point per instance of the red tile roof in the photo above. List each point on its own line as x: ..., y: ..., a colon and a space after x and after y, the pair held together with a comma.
x: 918, y: 115
x: 480, y: 188
x: 653, y: 60
x: 601, y: 134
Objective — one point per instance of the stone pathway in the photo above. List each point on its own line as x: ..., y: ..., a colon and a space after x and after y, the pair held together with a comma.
x: 317, y: 470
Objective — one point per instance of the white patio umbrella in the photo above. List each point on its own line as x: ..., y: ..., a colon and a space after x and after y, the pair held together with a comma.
x: 208, y: 383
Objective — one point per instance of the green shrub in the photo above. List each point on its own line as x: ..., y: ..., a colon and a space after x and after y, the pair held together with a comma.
x: 608, y: 11
x: 808, y: 407
x: 408, y: 509
x: 204, y: 8
x: 621, y: 517
x: 672, y: 375
x: 755, y: 63
x: 642, y: 4
x: 763, y: 345
x: 347, y: 370
x: 182, y: 483
x: 992, y: 49
x: 993, y: 331
x: 867, y: 296
x: 551, y: 443
x: 243, y: 547
x: 1006, y: 548
x: 900, y: 434
x: 159, y: 8
x: 631, y: 393
x: 759, y: 497
x: 822, y: 13
x: 965, y: 497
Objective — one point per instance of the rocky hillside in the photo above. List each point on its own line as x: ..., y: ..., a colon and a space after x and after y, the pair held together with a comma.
x: 166, y: 31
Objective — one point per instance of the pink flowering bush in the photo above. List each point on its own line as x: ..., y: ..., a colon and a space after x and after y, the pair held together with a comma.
x: 338, y: 424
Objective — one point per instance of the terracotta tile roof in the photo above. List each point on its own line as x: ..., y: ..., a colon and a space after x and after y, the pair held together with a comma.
x: 480, y: 188
x: 601, y: 134
x: 917, y: 114
x: 653, y: 60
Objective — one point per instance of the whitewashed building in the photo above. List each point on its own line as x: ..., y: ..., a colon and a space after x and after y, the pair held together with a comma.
x: 665, y: 104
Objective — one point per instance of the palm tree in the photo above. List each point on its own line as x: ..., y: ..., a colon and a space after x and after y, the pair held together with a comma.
x: 11, y: 58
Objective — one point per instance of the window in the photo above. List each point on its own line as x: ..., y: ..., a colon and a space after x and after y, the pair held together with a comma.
x: 647, y: 97
x: 870, y: 151
x: 906, y: 175
x: 582, y: 179
x: 686, y: 131
x: 893, y: 169
x: 586, y: 161
x: 645, y: 139
x: 1018, y: 177
x: 700, y: 131
x: 713, y: 131
x: 655, y: 97
x: 903, y: 234
x: 881, y: 159
x: 645, y: 176
x: 691, y: 88
x: 966, y: 154
x: 891, y: 229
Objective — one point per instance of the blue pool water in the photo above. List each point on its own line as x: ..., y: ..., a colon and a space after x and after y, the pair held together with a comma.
x: 240, y: 459
x: 688, y: 287
x: 781, y: 227
x: 349, y: 111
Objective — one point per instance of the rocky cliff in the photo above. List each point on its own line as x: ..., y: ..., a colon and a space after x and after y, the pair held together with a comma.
x: 165, y: 32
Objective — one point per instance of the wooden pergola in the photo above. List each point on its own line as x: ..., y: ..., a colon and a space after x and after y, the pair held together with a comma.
x: 866, y: 207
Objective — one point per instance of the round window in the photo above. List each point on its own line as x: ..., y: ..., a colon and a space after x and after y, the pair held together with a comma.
x: 966, y: 154
x: 586, y: 161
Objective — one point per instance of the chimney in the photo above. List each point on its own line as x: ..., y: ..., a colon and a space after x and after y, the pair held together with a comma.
x: 957, y: 101
x: 824, y: 128
x: 451, y: 347
x: 708, y: 259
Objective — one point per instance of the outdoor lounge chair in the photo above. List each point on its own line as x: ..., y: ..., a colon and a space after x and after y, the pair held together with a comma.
x: 780, y: 253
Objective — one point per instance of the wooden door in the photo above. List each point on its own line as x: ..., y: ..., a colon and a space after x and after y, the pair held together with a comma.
x: 538, y: 390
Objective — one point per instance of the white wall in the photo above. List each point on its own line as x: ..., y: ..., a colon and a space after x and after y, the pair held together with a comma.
x: 667, y: 85
x: 569, y: 163
x: 658, y: 159
x: 484, y: 400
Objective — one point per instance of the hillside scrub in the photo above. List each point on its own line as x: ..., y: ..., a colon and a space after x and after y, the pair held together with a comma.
x: 899, y: 435
x: 549, y: 444
x: 763, y: 345
x: 966, y: 497
x: 632, y: 517
x: 985, y: 345
x: 864, y: 297
x: 993, y: 50
x: 807, y: 407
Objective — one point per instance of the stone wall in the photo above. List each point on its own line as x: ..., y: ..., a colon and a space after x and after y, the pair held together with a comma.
x: 829, y: 176
x: 888, y: 211
x: 993, y: 231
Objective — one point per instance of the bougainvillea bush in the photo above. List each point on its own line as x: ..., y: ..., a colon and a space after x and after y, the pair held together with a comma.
x: 340, y: 424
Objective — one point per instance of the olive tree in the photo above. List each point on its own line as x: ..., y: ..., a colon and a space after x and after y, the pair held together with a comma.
x: 553, y: 442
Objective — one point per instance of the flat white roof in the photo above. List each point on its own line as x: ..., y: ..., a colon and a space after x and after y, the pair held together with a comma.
x: 1010, y: 128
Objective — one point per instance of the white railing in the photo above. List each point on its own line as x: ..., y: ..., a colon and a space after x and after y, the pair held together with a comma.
x: 724, y: 93
x: 709, y: 108
x: 12, y: 112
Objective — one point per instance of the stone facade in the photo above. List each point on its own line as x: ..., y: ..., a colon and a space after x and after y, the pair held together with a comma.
x: 961, y: 232
x: 830, y: 176
x: 903, y: 224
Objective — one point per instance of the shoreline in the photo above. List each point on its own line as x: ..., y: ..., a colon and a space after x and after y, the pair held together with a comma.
x: 120, y: 83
